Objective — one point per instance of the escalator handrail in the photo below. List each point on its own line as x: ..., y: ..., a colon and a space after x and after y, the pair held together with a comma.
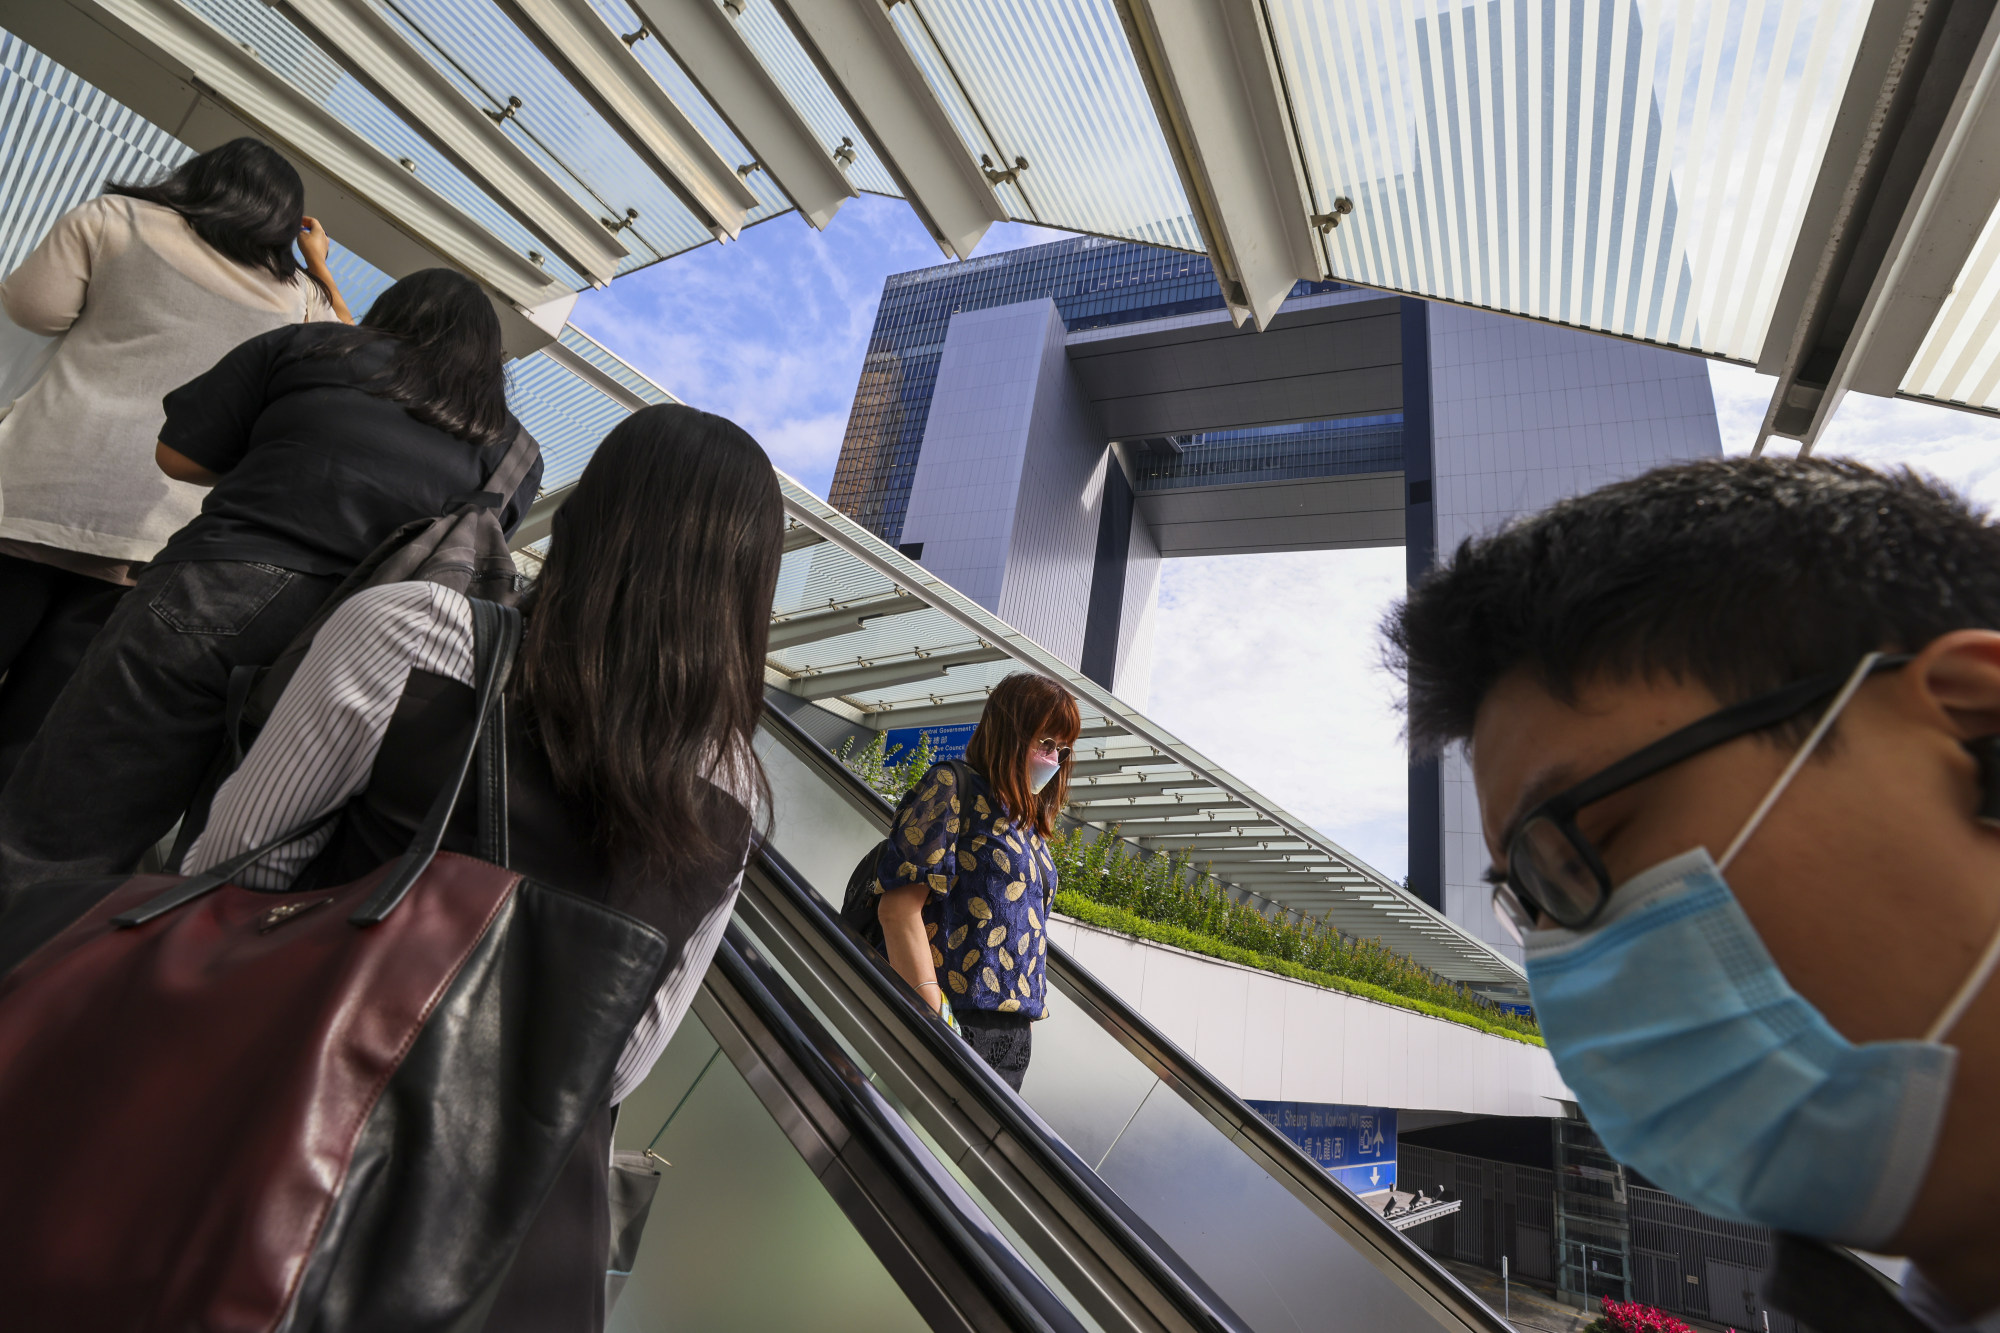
x: 1184, y: 1070
x: 1005, y: 1278
x: 1140, y: 1244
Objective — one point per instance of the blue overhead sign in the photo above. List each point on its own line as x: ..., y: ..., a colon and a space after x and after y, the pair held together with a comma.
x: 946, y: 742
x: 1356, y: 1145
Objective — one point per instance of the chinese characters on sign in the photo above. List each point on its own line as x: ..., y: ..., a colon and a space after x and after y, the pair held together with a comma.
x: 1356, y: 1145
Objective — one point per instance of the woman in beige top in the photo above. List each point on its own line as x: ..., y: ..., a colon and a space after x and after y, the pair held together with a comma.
x: 146, y: 286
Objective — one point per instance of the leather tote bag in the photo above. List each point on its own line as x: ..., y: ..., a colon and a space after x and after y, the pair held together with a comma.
x: 228, y: 1110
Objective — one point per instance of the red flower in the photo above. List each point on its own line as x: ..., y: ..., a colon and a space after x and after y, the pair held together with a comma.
x: 1632, y: 1317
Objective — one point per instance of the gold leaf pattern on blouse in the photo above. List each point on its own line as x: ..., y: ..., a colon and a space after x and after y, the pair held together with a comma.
x: 1012, y: 845
x: 954, y: 805
x: 979, y: 909
x: 971, y: 960
x: 967, y: 861
x: 928, y: 792
x: 937, y: 957
x: 979, y: 804
x: 1008, y: 1005
x: 979, y: 842
x: 997, y: 935
x: 945, y: 778
x: 957, y: 982
x: 1021, y: 945
x: 907, y: 870
x: 939, y: 884
x: 999, y: 828
x: 1006, y: 961
x: 936, y: 855
x: 987, y: 975
x: 1033, y: 921
x: 1024, y: 987
x: 957, y: 936
x: 931, y: 930
x: 913, y: 835
x: 1016, y: 889
x: 1000, y: 859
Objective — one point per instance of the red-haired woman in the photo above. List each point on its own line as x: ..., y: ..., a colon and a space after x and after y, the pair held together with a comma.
x: 966, y: 877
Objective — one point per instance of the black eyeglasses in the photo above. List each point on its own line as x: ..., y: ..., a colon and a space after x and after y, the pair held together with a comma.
x: 1553, y: 869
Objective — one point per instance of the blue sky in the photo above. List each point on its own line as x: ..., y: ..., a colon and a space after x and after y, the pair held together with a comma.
x: 770, y: 331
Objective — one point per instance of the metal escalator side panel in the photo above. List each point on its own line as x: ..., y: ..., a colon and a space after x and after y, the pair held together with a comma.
x: 947, y: 1258
x: 1092, y: 1244
x: 1291, y: 1183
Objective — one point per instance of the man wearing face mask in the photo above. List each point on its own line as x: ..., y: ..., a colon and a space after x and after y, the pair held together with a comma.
x: 1735, y: 731
x: 966, y: 876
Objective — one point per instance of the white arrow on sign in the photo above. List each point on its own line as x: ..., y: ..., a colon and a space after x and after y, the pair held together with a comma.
x: 1375, y: 1176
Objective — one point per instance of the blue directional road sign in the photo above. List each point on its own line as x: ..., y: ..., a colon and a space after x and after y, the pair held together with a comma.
x: 1356, y: 1145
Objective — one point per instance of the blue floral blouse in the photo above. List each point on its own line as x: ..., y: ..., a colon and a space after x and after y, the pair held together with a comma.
x: 990, y: 881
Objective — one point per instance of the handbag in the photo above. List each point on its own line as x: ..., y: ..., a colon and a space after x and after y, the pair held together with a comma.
x: 232, y: 1110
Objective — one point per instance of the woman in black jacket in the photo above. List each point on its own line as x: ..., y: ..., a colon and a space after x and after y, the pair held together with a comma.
x: 317, y: 441
x: 630, y: 775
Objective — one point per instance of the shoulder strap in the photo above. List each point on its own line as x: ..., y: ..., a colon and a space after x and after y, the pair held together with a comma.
x: 496, y: 635
x: 512, y: 469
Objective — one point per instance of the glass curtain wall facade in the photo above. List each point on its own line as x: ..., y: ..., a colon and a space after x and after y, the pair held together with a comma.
x: 1095, y: 283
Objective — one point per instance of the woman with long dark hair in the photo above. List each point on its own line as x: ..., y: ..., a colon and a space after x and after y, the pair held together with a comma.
x: 966, y: 877
x: 316, y: 442
x: 630, y: 773
x: 145, y: 286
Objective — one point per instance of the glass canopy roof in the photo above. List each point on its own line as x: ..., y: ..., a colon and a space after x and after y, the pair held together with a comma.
x: 1676, y: 171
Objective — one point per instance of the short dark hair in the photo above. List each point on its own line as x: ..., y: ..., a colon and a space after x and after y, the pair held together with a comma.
x: 448, y: 369
x: 1740, y: 574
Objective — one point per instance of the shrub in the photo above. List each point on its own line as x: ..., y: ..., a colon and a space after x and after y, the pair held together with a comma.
x: 1192, y: 911
x: 871, y: 763
x: 1169, y: 890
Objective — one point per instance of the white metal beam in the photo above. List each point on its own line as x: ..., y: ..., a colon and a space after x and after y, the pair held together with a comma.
x: 715, y: 56
x: 1220, y: 98
x: 864, y: 60
x: 379, y: 56
x: 1908, y: 163
x: 1957, y: 194
x: 601, y: 67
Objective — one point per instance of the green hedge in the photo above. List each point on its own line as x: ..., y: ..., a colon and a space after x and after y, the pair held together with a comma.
x: 1164, y: 898
x: 1167, y: 892
x: 1115, y: 918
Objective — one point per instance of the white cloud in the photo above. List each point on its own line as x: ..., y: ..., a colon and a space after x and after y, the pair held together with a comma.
x: 1961, y: 448
x: 1269, y: 665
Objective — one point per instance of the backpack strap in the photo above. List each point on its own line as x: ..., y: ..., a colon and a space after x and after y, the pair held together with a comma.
x: 512, y: 469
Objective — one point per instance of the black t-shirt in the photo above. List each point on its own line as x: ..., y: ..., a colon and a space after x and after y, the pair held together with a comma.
x: 316, y: 471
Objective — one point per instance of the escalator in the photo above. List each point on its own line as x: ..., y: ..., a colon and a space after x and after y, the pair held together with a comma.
x: 841, y: 1160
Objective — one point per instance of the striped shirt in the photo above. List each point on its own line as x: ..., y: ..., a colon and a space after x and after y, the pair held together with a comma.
x: 319, y: 748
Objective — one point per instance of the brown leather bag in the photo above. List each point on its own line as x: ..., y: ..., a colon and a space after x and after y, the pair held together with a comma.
x: 240, y: 1111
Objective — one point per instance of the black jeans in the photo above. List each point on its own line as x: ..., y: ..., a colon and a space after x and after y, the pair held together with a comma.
x: 1004, y: 1041
x: 131, y: 737
x: 48, y: 617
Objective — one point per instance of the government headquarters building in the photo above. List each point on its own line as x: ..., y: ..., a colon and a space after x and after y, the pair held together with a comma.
x: 1339, y: 273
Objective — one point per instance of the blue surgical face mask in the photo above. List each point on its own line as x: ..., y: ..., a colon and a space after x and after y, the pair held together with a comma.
x: 1699, y: 1065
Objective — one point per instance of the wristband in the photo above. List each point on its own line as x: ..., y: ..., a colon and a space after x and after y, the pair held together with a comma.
x: 932, y: 984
